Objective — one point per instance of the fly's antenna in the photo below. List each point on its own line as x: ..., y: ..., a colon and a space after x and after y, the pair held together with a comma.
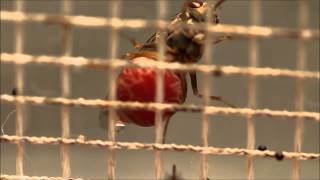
x: 184, y: 6
x: 217, y: 5
x: 132, y: 40
x: 136, y: 44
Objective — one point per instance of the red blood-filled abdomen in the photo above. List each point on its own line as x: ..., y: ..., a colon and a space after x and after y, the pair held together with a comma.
x: 139, y: 84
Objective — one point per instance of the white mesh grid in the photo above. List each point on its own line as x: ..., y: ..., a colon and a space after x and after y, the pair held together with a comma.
x: 301, y: 65
x: 19, y: 46
x: 161, y: 12
x: 255, y: 18
x: 65, y: 80
x: 115, y: 11
x: 67, y: 61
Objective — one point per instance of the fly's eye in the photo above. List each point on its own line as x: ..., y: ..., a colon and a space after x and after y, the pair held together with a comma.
x: 195, y: 4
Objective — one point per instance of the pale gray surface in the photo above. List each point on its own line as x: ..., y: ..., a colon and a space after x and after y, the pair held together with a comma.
x: 185, y: 128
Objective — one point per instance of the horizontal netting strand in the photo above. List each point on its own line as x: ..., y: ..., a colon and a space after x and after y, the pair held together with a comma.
x: 99, y: 22
x: 99, y: 63
x: 15, y: 177
x: 41, y: 100
x: 154, y: 146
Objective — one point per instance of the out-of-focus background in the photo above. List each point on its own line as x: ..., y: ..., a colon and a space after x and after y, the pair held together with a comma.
x: 185, y: 128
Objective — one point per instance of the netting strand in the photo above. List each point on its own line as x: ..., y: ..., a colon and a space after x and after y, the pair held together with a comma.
x: 94, y: 103
x: 207, y: 90
x: 301, y: 65
x: 19, y: 82
x: 66, y: 89
x: 255, y: 16
x: 114, y: 43
x: 15, y: 177
x: 154, y: 146
x: 161, y: 12
x: 96, y: 22
x: 98, y: 63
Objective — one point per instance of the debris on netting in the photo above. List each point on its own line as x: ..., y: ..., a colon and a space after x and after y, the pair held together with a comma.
x: 279, y: 156
x: 14, y: 92
x: 262, y: 148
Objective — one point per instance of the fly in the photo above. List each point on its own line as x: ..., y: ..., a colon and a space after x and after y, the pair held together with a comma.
x: 183, y: 45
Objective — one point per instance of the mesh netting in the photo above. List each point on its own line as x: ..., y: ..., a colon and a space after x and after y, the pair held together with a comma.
x: 66, y: 62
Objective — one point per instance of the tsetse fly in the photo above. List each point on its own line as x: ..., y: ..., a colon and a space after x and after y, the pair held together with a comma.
x: 183, y: 45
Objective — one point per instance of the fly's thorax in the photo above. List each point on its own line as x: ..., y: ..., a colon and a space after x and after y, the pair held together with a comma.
x: 184, y: 45
x: 185, y: 42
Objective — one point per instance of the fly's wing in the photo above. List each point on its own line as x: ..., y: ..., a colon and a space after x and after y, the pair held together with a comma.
x: 155, y: 36
x: 104, y: 118
x: 152, y: 38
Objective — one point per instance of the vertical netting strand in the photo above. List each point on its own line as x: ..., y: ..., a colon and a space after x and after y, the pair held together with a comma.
x: 206, y: 81
x: 19, y: 71
x: 255, y: 18
x: 301, y: 65
x: 66, y: 89
x: 115, y: 12
x: 161, y: 48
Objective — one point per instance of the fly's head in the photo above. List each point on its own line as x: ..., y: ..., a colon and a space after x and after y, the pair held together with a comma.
x: 197, y: 10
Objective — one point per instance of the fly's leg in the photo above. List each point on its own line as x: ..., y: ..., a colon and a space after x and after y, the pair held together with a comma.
x: 166, y: 125
x: 218, y: 4
x: 194, y: 84
x: 221, y: 39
